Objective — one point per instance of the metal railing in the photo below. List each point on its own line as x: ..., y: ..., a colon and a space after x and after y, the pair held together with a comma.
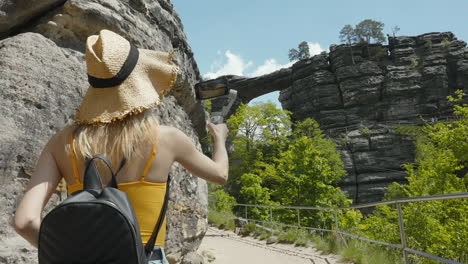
x: 397, y: 202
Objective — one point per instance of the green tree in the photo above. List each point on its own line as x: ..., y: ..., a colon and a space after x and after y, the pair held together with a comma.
x: 225, y: 199
x: 252, y: 192
x: 348, y: 36
x: 301, y: 53
x: 289, y: 167
x: 245, y: 125
x: 259, y: 133
x: 368, y: 30
x: 308, y: 170
x: 220, y: 204
x: 260, y: 123
x: 437, y: 227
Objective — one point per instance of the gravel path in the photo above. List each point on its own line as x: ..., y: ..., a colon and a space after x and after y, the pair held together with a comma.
x: 226, y: 247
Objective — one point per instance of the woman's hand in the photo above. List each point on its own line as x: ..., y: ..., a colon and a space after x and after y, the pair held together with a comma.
x: 219, y: 131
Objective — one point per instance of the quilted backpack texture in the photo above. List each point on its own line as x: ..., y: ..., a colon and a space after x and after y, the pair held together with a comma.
x: 95, y: 225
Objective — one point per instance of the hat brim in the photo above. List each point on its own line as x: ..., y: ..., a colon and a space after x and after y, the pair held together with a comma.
x: 153, y: 76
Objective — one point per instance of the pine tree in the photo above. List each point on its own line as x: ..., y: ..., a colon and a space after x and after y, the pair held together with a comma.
x: 348, y: 36
x: 301, y: 53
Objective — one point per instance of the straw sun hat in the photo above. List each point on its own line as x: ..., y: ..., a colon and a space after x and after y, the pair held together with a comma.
x: 123, y: 79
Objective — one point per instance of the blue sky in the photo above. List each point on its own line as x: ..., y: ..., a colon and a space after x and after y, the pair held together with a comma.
x: 252, y: 37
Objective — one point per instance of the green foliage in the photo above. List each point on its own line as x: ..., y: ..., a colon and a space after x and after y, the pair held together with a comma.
x: 349, y: 220
x: 219, y: 213
x: 283, y: 166
x: 252, y: 192
x: 308, y: 168
x: 357, y: 251
x: 264, y: 235
x: 207, y: 105
x: 299, y: 167
x: 361, y: 252
x: 344, y: 140
x: 347, y: 34
x: 445, y: 43
x: 437, y: 227
x: 259, y: 134
x: 365, y: 31
x: 221, y: 196
x: 369, y: 29
x: 248, y: 229
x: 414, y: 63
x: 221, y: 221
x: 259, y: 123
x: 428, y: 44
x: 412, y: 131
x: 366, y: 132
x: 288, y: 237
x: 301, y: 53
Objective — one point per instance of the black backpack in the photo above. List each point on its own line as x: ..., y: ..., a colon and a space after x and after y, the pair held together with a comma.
x: 96, y: 225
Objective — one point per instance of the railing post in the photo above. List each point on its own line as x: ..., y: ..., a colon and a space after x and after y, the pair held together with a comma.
x: 298, y: 217
x: 402, y: 232
x: 336, y: 219
x: 337, y: 228
x: 271, y: 220
x: 246, y: 213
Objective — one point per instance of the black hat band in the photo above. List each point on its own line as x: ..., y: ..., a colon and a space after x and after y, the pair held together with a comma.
x: 121, y: 76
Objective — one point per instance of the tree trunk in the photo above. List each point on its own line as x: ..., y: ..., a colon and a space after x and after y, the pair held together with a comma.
x: 352, y: 55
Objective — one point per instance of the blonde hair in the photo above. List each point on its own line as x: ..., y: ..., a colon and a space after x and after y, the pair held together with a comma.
x: 117, y: 139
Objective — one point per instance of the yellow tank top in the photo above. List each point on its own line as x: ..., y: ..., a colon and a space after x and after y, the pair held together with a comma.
x: 146, y: 197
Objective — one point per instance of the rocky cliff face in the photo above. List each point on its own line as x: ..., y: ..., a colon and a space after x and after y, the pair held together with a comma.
x: 359, y: 95
x: 42, y: 80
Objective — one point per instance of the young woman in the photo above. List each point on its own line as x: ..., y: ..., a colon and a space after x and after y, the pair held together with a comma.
x: 118, y: 118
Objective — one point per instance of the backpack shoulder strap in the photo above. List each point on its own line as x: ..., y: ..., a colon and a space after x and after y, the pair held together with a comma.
x: 150, y: 244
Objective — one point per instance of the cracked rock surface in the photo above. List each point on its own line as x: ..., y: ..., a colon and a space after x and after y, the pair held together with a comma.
x: 43, y: 78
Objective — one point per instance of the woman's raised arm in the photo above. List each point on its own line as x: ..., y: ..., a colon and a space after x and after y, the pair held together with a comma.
x: 214, y: 170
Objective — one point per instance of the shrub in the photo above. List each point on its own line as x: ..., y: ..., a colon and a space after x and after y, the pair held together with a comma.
x: 414, y: 63
x: 366, y: 132
x: 221, y: 221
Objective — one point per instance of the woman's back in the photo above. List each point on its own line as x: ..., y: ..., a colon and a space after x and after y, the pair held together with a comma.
x: 143, y: 178
x: 158, y: 170
x: 114, y: 119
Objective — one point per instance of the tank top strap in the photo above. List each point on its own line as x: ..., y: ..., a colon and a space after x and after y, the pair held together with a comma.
x: 73, y: 158
x: 150, y: 160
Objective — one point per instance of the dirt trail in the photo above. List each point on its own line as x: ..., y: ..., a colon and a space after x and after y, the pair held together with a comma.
x: 230, y: 248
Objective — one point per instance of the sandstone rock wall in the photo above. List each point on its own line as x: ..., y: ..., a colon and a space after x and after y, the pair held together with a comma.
x: 43, y: 78
x: 360, y: 104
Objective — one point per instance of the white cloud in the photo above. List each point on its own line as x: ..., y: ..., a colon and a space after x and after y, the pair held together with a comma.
x: 269, y: 66
x: 314, y: 48
x: 235, y: 65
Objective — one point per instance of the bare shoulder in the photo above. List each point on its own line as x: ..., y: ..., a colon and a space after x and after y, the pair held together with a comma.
x: 171, y: 132
x: 176, y: 140
x: 166, y: 129
x: 61, y: 137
